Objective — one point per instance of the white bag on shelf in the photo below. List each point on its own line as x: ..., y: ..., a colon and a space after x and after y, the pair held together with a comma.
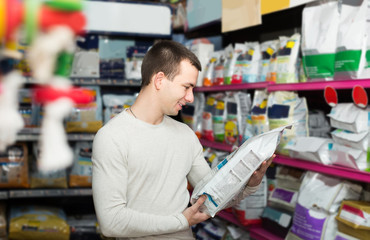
x: 313, y: 149
x: 348, y: 157
x: 283, y: 198
x: 350, y: 139
x: 319, y: 199
x: 230, y: 177
x: 349, y: 117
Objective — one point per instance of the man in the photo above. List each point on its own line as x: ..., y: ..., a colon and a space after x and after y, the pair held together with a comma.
x: 143, y: 159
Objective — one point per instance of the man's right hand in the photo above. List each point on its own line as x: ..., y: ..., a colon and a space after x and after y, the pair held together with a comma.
x: 193, y: 213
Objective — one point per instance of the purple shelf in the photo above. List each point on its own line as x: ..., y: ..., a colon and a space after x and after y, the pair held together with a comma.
x: 217, y: 145
x: 320, y: 85
x: 337, y: 171
x: 261, y: 234
x: 232, y: 87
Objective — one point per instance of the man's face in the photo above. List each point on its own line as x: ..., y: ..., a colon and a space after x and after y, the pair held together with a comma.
x: 178, y: 92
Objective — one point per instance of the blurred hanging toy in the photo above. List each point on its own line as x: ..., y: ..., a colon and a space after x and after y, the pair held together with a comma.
x: 50, y: 28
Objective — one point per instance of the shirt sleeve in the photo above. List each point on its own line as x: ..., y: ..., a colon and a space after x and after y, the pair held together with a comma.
x: 109, y: 186
x: 200, y: 167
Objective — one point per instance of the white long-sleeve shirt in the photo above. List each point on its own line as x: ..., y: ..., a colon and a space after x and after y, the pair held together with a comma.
x: 140, y: 174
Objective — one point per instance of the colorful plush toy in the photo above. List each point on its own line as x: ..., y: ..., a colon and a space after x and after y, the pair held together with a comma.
x: 50, y: 28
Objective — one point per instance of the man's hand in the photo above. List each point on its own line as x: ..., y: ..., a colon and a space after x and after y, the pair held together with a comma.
x: 193, y: 214
x: 257, y: 176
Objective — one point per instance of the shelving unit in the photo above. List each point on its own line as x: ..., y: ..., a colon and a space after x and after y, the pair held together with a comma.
x: 29, y: 137
x: 271, y: 86
x: 256, y: 231
x: 231, y: 218
x: 319, y: 85
x: 233, y: 87
x: 262, y: 234
x: 333, y: 170
x: 99, y: 82
x: 33, y: 193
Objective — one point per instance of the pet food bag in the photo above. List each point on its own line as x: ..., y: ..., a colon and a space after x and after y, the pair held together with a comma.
x: 319, y: 199
x: 350, y: 139
x: 348, y: 157
x: 250, y: 209
x: 229, y: 178
x: 319, y: 38
x: 283, y: 198
x: 81, y: 172
x: 349, y: 117
x: 313, y: 149
x: 354, y: 219
x: 14, y: 167
x: 38, y: 223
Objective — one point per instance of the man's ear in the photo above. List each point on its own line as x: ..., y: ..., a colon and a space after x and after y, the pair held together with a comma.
x: 158, y: 80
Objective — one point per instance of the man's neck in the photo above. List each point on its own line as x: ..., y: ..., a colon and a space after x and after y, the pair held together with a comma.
x: 149, y: 113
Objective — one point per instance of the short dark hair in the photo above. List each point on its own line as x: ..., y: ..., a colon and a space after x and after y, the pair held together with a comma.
x: 165, y: 56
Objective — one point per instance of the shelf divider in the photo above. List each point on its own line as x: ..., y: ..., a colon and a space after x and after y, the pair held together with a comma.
x: 271, y: 86
x: 232, y: 87
x: 334, y: 170
x: 217, y: 145
x: 259, y: 233
x: 318, y: 85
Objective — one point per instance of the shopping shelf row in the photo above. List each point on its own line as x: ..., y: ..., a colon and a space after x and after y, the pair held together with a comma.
x: 333, y: 170
x: 33, y: 134
x: 256, y: 231
x: 270, y: 86
x: 304, y: 86
x: 99, y: 81
x: 36, y: 193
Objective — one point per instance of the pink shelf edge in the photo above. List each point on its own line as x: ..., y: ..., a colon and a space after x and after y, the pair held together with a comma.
x: 334, y: 170
x: 231, y: 218
x: 231, y: 87
x: 216, y: 145
x: 314, y: 85
x: 337, y: 171
x: 261, y: 234
x: 318, y: 85
x: 256, y: 231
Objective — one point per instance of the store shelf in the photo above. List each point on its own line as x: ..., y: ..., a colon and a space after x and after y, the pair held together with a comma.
x: 3, y: 195
x: 271, y: 87
x: 319, y: 85
x: 259, y: 233
x: 99, y: 82
x: 233, y: 87
x: 32, y: 193
x: 24, y: 137
x: 333, y: 170
x: 231, y: 218
x: 216, y: 145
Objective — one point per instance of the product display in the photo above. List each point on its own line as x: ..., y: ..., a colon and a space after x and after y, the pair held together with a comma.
x: 254, y: 81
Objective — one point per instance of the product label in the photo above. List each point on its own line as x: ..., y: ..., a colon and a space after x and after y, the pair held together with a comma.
x: 283, y: 195
x: 355, y: 216
x: 347, y: 60
x: 305, y: 226
x: 319, y: 66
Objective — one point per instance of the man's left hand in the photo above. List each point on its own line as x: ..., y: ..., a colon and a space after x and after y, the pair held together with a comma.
x: 257, y: 176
